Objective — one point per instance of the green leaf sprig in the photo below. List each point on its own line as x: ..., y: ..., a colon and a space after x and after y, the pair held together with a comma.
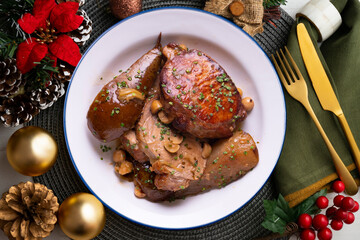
x: 273, y: 3
x: 279, y: 213
x: 10, y: 12
x: 8, y: 45
x: 41, y: 74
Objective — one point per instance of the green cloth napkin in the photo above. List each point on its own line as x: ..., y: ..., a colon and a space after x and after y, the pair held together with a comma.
x: 305, y: 165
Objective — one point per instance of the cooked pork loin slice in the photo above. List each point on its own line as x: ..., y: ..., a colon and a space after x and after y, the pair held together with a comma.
x: 144, y: 179
x: 170, y: 183
x: 230, y: 160
x: 174, y: 170
x: 130, y: 144
x: 129, y: 140
x: 198, y: 92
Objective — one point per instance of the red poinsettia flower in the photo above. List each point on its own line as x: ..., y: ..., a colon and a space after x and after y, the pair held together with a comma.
x: 48, y: 21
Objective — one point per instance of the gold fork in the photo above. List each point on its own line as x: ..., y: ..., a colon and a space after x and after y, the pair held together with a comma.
x: 296, y: 87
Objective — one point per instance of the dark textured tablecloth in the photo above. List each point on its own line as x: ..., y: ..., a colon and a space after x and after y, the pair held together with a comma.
x: 64, y: 181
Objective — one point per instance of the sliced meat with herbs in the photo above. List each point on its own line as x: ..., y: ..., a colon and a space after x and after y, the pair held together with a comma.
x: 198, y: 92
x: 230, y: 160
x: 130, y: 144
x: 174, y: 170
x: 144, y: 179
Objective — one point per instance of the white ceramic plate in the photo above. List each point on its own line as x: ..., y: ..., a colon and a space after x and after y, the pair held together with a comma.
x: 122, y: 45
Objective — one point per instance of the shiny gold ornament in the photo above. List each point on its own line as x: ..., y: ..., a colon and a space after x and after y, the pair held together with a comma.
x: 31, y: 151
x: 81, y: 216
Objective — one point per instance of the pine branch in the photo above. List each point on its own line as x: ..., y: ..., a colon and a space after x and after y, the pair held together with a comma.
x: 8, y: 45
x: 41, y: 74
x: 273, y: 3
x: 10, y: 12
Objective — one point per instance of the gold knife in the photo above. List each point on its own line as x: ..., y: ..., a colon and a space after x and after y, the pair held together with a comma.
x: 322, y: 86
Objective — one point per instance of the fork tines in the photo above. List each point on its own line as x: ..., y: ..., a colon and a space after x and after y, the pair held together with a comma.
x: 289, y: 68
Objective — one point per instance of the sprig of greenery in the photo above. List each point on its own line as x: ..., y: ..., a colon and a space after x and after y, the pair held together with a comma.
x: 273, y: 3
x: 41, y: 74
x: 8, y: 45
x: 10, y: 12
x: 279, y: 213
x: 308, y: 205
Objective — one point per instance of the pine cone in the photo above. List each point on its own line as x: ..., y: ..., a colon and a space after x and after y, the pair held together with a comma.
x: 81, y: 2
x: 45, y: 97
x: 10, y: 77
x: 82, y: 34
x: 17, y: 110
x: 28, y: 211
x: 65, y: 71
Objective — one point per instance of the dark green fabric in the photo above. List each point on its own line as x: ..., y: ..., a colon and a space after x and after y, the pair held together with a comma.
x: 305, y: 158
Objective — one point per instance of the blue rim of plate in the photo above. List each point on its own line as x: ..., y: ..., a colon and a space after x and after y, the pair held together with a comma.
x: 89, y: 48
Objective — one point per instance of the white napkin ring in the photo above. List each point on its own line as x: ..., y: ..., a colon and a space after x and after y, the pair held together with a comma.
x: 323, y: 15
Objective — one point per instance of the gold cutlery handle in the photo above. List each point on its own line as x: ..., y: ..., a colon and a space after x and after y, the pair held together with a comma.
x: 344, y: 174
x: 354, y: 148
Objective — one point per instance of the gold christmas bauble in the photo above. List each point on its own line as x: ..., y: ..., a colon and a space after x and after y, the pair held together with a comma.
x: 31, y: 151
x: 81, y: 216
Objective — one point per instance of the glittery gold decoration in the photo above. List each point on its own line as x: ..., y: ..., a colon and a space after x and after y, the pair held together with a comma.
x: 31, y: 151
x: 82, y: 216
x: 124, y: 8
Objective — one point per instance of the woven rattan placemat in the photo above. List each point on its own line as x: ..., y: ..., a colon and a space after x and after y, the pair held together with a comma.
x: 64, y: 181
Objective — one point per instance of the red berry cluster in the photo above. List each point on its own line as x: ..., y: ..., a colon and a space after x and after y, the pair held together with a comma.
x: 341, y: 212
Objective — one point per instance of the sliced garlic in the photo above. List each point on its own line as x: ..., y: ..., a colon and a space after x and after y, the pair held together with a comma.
x: 155, y: 106
x: 189, y: 158
x: 124, y: 168
x: 129, y: 93
x: 164, y: 118
x: 240, y: 91
x: 138, y: 192
x: 119, y: 156
x: 176, y: 139
x: 172, y: 148
x: 182, y: 46
x: 206, y: 150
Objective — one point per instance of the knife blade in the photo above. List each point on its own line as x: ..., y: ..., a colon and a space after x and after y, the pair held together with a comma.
x: 317, y: 74
x: 322, y: 86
